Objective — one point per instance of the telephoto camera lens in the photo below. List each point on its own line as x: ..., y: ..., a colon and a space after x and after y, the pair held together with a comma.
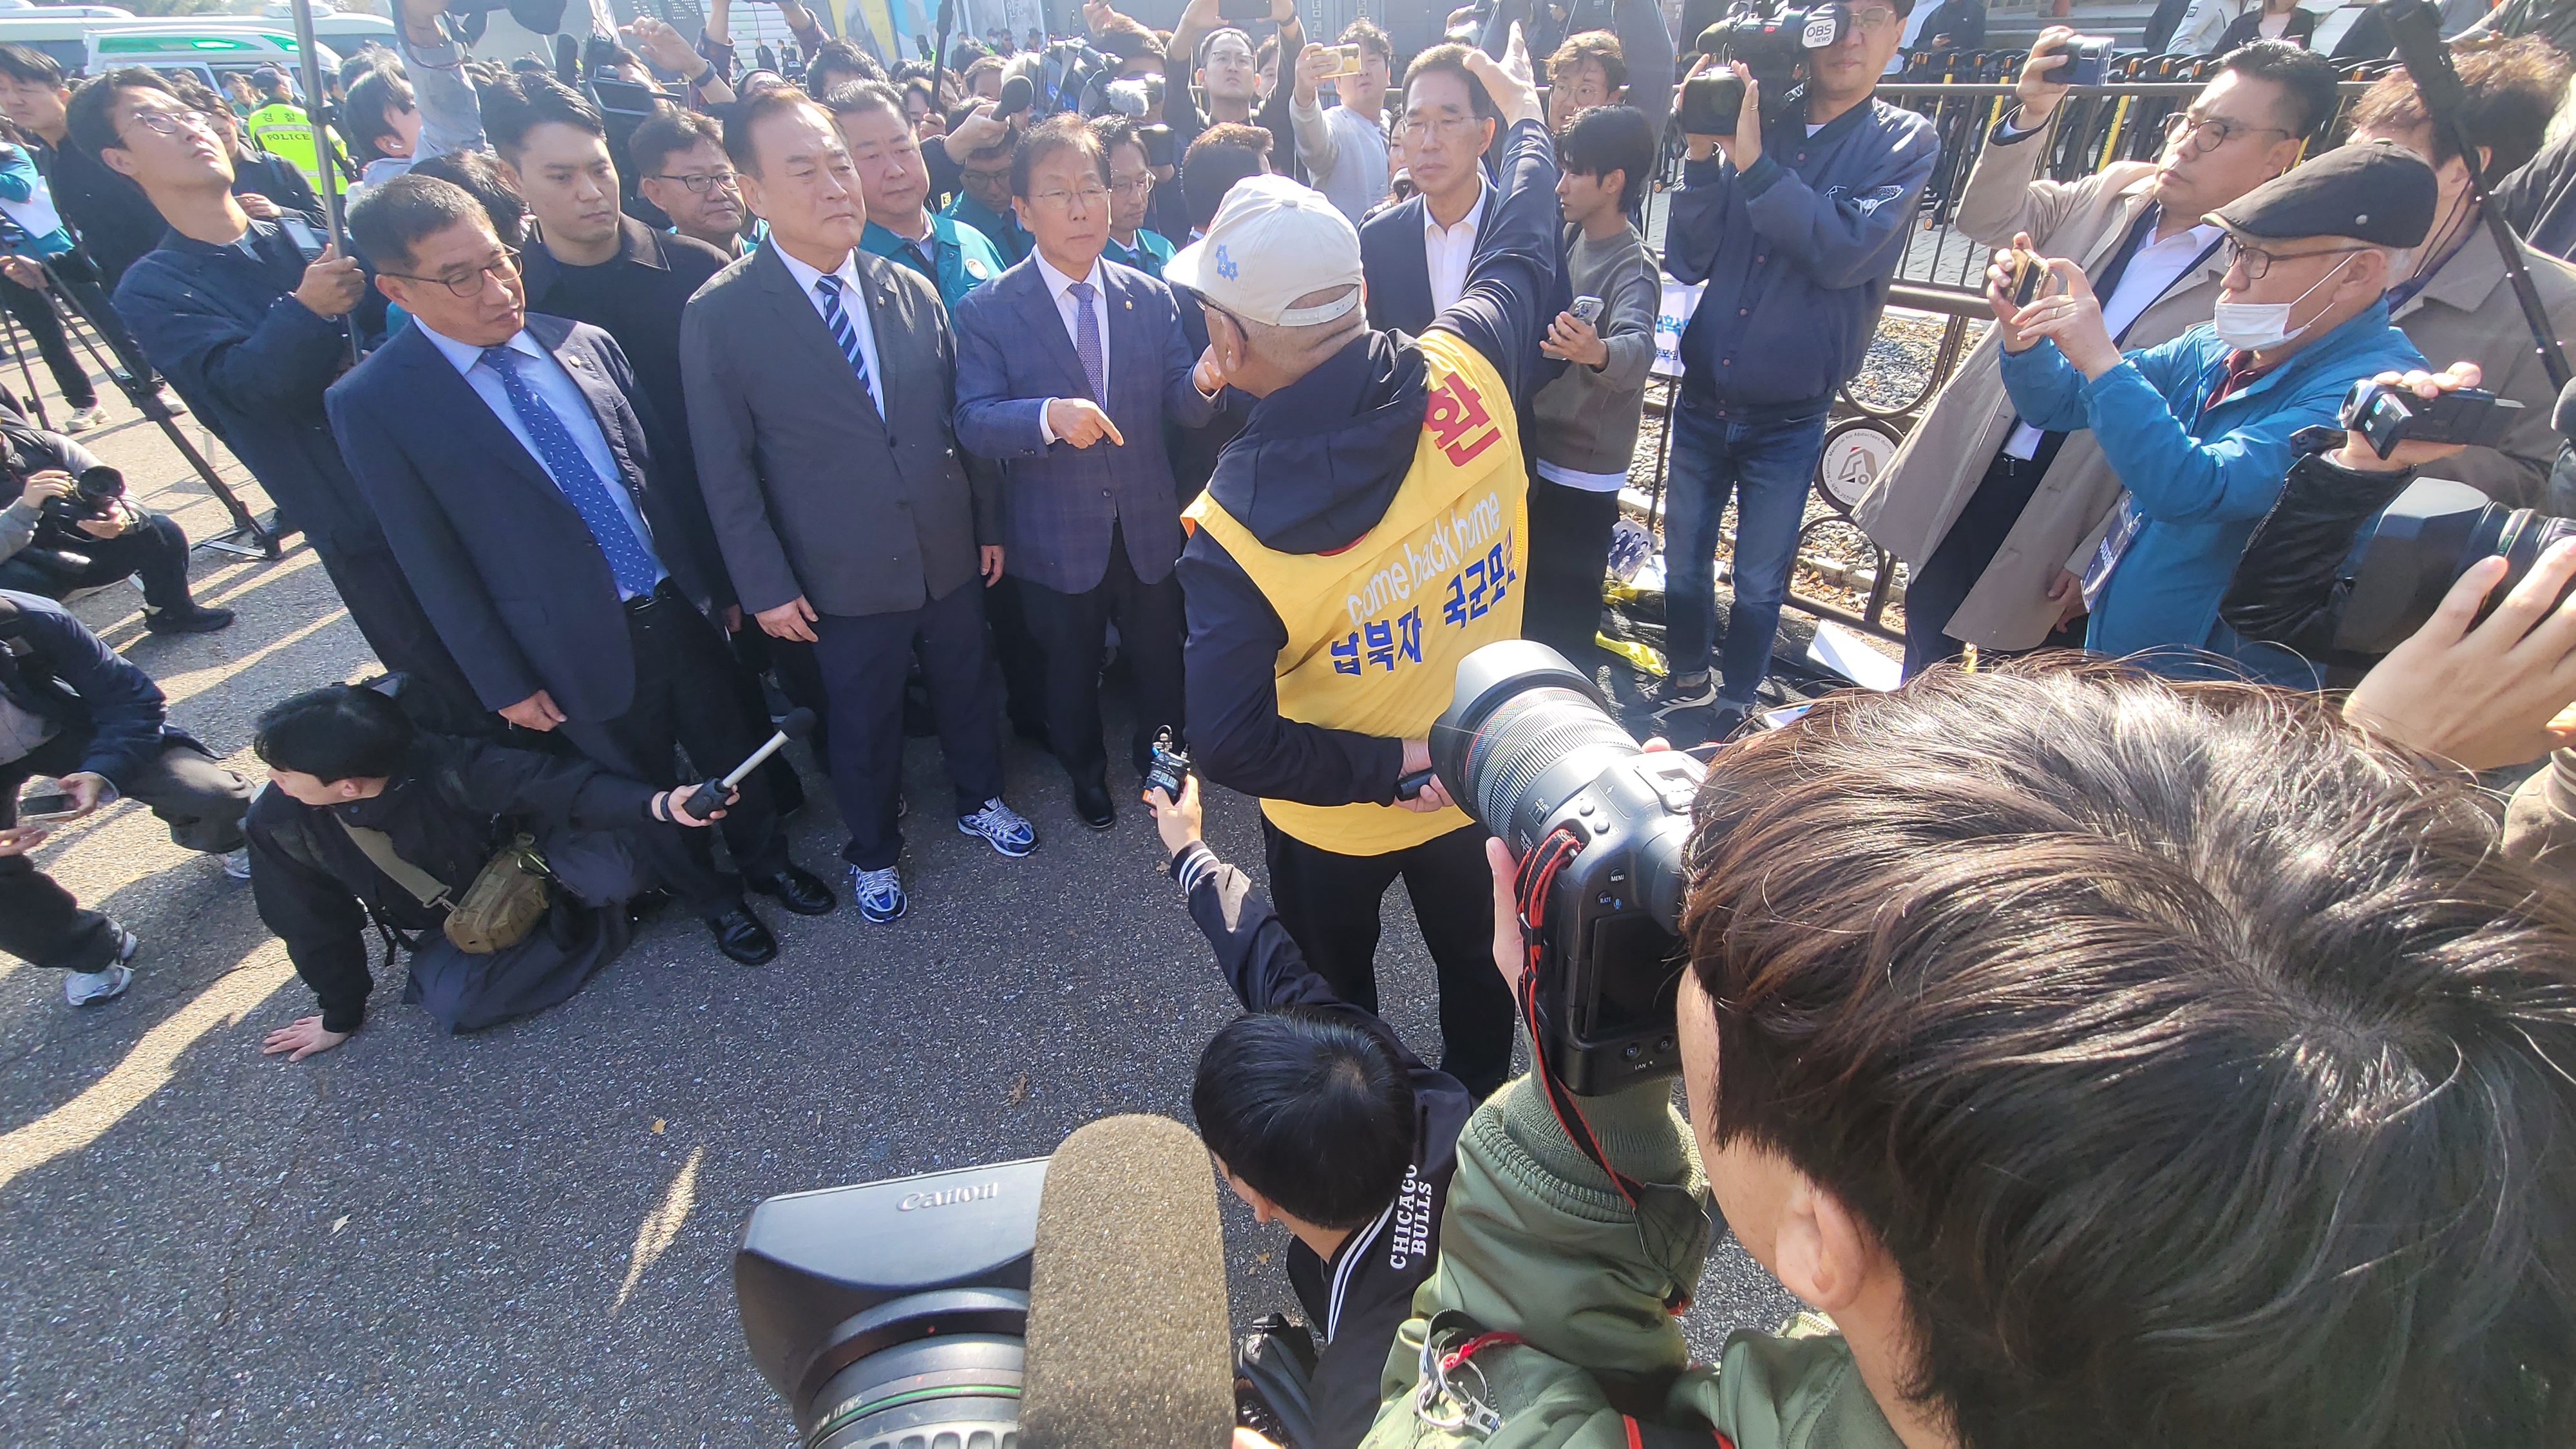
x: 2420, y: 545
x: 1530, y: 748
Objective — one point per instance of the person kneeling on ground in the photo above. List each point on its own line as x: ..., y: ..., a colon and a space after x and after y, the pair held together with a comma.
x: 1319, y: 1119
x: 369, y: 818
x: 54, y: 555
x: 2094, y: 1050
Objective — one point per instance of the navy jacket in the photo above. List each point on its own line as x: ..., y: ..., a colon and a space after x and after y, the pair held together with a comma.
x: 1059, y: 501
x: 52, y: 665
x: 252, y: 363
x: 509, y: 573
x: 1398, y: 268
x: 1797, y: 252
x: 1314, y: 469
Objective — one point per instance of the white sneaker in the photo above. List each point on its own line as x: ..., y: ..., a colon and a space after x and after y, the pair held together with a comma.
x: 237, y: 864
x: 89, y: 988
x: 95, y: 416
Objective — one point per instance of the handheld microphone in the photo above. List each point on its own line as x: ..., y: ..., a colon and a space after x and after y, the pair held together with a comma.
x: 567, y: 60
x: 710, y: 797
x: 1128, y: 1339
x: 1017, y: 94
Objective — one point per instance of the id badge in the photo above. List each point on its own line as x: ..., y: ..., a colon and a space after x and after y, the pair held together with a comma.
x: 2097, y: 574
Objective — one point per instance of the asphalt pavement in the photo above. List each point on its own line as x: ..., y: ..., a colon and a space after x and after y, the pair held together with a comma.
x: 523, y: 1236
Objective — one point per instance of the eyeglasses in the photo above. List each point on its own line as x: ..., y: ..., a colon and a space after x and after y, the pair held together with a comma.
x: 1129, y: 187
x: 1876, y: 17
x: 2258, y: 262
x: 2208, y: 134
x: 503, y: 268
x: 171, y: 123
x: 1447, y: 128
x: 1092, y: 195
x: 719, y: 181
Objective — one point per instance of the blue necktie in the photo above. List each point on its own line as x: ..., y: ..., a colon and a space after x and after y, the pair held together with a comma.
x: 1086, y: 342
x: 828, y: 288
x: 628, y: 557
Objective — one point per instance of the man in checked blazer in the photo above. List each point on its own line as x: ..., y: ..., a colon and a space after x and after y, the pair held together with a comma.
x: 1067, y: 367
x: 820, y: 385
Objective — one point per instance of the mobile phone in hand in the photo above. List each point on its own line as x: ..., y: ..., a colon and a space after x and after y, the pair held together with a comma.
x: 50, y: 805
x: 1586, y: 310
x: 2028, y: 274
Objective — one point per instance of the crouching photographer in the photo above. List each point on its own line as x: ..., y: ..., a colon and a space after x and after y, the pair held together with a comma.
x: 67, y: 525
x: 1998, y: 1057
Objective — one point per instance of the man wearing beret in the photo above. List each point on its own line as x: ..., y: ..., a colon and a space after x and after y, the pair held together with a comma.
x: 2199, y: 429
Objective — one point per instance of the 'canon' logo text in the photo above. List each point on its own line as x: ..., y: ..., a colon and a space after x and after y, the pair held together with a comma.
x: 949, y: 1196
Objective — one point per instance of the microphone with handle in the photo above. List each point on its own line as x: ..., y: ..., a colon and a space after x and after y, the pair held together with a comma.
x: 711, y: 796
x: 1128, y: 1339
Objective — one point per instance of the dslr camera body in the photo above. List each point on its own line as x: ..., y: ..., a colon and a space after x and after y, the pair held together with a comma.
x: 1530, y: 748
x: 96, y: 492
x: 1772, y: 44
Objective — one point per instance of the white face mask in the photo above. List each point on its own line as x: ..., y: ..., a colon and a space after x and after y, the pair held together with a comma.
x: 2260, y: 326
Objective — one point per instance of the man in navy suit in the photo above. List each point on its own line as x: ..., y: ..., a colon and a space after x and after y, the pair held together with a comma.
x: 1415, y: 253
x: 509, y: 456
x: 1067, y: 368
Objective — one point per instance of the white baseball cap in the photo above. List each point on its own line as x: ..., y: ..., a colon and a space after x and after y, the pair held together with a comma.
x: 1273, y: 241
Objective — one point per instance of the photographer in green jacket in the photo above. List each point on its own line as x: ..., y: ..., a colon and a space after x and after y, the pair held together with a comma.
x: 2103, y: 1059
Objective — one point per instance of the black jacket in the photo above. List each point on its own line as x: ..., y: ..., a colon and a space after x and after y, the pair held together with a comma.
x: 453, y: 803
x: 117, y: 223
x: 1314, y: 468
x: 635, y: 297
x: 1355, y: 1302
x: 52, y: 665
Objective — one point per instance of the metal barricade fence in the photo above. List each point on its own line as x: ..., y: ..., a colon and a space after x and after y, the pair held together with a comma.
x: 1936, y: 310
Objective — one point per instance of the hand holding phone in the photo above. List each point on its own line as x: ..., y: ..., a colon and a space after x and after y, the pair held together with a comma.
x: 47, y: 806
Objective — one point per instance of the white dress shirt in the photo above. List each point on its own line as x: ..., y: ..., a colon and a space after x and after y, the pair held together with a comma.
x: 555, y: 388
x: 1060, y: 287
x: 1448, y: 249
x: 2152, y: 272
x: 854, y: 305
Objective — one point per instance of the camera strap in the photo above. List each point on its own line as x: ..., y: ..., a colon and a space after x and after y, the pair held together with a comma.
x: 1531, y: 882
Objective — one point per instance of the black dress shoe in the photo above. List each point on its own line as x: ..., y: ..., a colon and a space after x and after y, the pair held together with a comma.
x: 192, y: 621
x: 797, y: 889
x: 740, y: 935
x: 1091, y: 802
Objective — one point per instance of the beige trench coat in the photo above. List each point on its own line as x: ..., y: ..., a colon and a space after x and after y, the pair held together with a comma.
x: 1923, y: 489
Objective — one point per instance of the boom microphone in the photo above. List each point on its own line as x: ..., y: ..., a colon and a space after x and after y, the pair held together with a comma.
x: 567, y: 60
x: 1128, y: 1339
x: 1017, y: 93
x: 710, y: 797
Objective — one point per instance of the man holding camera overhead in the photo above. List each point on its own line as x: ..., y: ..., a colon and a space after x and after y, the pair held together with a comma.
x: 1797, y: 226
x: 1985, y: 509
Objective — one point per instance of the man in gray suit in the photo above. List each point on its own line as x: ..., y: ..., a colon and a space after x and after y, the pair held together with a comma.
x: 820, y: 382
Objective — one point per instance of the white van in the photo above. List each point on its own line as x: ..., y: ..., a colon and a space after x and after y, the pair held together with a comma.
x: 209, y: 45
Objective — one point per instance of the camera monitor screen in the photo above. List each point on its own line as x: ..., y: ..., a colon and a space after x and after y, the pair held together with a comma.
x: 1625, y: 1002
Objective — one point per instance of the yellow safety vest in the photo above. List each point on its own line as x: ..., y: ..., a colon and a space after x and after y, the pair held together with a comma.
x: 284, y: 132
x: 1375, y: 632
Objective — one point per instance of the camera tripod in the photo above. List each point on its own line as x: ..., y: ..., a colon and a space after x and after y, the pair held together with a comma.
x: 132, y: 376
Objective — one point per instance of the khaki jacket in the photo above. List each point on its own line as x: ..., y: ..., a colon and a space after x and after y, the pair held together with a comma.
x: 1912, y: 505
x: 2468, y: 313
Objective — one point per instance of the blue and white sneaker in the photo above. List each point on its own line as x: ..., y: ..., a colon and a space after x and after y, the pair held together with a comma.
x: 879, y: 893
x: 1001, y: 827
x: 91, y: 988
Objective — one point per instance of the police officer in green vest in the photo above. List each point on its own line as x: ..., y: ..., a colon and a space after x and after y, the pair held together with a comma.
x: 896, y: 184
x: 280, y: 127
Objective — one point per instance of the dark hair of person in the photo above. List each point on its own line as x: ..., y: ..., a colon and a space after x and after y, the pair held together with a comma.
x: 391, y: 219
x: 2511, y: 92
x: 919, y: 86
x: 750, y: 111
x: 1309, y: 1108
x: 2199, y: 1061
x: 665, y: 133
x: 1593, y: 45
x: 851, y: 97
x: 1368, y: 37
x: 1267, y: 57
x: 338, y: 732
x: 479, y: 175
x: 2307, y: 81
x: 28, y: 64
x: 90, y: 115
x: 1114, y: 131
x: 840, y: 56
x: 356, y: 64
x: 1451, y: 59
x: 518, y: 104
x: 1221, y: 156
x: 1603, y: 139
x: 1047, y: 137
x: 377, y: 97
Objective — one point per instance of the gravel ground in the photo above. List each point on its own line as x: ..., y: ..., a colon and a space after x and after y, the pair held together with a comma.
x: 522, y: 1237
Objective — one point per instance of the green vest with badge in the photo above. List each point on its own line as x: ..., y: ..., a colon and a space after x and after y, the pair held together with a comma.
x: 962, y: 257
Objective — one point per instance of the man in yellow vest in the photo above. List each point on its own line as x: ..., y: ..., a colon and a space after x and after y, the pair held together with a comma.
x: 1362, y: 535
x: 280, y: 127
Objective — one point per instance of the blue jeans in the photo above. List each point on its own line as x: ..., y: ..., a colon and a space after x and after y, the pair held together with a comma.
x: 1765, y: 457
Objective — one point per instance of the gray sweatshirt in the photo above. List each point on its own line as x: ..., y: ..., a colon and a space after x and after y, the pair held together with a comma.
x: 1586, y: 420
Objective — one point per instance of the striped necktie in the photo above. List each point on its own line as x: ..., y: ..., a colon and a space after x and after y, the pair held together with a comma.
x: 828, y: 288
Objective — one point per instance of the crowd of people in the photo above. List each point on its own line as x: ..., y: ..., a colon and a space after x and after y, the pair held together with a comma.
x: 2165, y: 1044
